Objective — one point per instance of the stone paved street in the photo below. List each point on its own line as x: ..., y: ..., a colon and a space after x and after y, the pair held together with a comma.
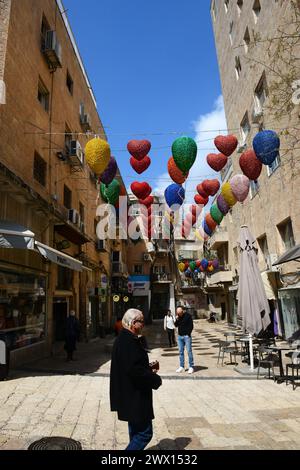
x: 216, y: 408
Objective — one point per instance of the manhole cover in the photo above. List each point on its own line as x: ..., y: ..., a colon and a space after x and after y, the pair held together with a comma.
x: 55, y: 443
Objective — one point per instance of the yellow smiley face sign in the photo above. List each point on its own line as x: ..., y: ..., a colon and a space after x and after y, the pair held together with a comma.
x: 125, y: 298
x: 116, y: 298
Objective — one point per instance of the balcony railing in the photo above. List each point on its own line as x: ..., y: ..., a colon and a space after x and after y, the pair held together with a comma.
x: 161, y: 277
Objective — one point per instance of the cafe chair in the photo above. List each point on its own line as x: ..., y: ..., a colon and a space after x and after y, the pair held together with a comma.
x: 294, y: 365
x: 267, y: 359
x: 227, y: 347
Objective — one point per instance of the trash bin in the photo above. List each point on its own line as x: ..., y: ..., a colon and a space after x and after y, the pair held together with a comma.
x: 4, y: 360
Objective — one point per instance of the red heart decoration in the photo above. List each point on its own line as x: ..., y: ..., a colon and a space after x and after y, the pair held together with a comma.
x: 201, y: 191
x: 211, y: 187
x: 140, y: 165
x: 250, y: 165
x: 148, y: 201
x: 216, y: 161
x: 200, y: 200
x: 140, y: 190
x: 191, y: 218
x: 226, y: 144
x: 195, y: 210
x: 175, y: 173
x: 139, y: 148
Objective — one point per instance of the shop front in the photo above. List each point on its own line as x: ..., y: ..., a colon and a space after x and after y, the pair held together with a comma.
x: 139, y: 288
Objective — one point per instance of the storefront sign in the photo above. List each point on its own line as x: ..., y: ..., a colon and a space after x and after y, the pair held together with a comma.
x: 140, y: 285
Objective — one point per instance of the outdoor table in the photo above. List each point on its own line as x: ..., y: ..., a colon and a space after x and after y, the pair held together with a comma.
x: 281, y: 378
x: 246, y: 340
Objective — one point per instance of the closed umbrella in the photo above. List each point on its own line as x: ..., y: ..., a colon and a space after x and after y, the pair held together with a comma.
x: 253, y: 306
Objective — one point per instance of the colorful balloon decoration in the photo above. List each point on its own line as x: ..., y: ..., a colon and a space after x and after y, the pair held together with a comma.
x: 266, y: 146
x: 204, y: 263
x: 200, y: 234
x: 181, y: 267
x: 216, y: 214
x: 103, y: 192
x: 112, y: 192
x: 228, y: 195
x: 148, y: 201
x: 174, y: 195
x: 97, y: 155
x: 226, y: 144
x: 192, y: 265
x: 140, y: 166
x: 211, y: 187
x: 206, y: 228
x: 216, y: 161
x: 215, y: 263
x: 139, y: 148
x: 110, y: 172
x: 250, y: 165
x: 140, y: 190
x: 184, y: 151
x: 175, y: 173
x: 201, y: 200
x: 222, y: 204
x: 210, y: 222
x: 240, y: 186
x: 201, y: 190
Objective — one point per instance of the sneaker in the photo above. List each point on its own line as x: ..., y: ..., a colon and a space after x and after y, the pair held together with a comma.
x: 191, y: 370
x: 180, y: 369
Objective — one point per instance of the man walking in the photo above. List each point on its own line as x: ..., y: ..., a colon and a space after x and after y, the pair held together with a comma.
x: 185, y: 325
x: 132, y: 380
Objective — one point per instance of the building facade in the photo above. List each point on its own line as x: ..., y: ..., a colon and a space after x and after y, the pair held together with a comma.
x: 253, y: 42
x: 46, y: 188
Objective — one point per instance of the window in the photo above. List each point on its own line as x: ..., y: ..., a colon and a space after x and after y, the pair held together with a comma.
x: 260, y: 94
x: 286, y: 233
x: 239, y: 6
x: 245, y: 128
x: 43, y: 95
x: 69, y: 83
x: 138, y: 269
x: 39, y: 169
x: 68, y: 139
x: 238, y: 67
x: 115, y: 256
x: 64, y: 278
x: 274, y: 165
x: 263, y: 245
x: 254, y: 188
x: 44, y: 28
x: 230, y: 32
x: 246, y: 40
x: 226, y: 5
x: 67, y: 197
x: 160, y: 269
x: 256, y: 10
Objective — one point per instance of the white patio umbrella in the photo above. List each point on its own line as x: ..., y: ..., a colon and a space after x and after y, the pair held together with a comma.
x: 253, y: 306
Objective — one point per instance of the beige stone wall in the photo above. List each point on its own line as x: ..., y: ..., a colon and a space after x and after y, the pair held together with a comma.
x: 278, y: 196
x: 4, y: 21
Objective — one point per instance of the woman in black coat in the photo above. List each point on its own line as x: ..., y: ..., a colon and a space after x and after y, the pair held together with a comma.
x: 132, y: 381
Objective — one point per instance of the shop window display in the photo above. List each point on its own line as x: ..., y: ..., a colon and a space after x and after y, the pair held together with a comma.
x: 22, y: 309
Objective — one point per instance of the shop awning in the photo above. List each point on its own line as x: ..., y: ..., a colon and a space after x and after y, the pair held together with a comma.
x: 13, y: 235
x: 290, y: 255
x: 58, y: 257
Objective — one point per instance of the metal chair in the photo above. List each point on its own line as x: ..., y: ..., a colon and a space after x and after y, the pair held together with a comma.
x: 226, y: 347
x: 294, y: 366
x: 267, y: 359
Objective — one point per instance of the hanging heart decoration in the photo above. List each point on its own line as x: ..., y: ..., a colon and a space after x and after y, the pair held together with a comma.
x: 97, y: 155
x: 184, y: 151
x: 141, y: 190
x: 148, y: 201
x: 140, y: 166
x: 139, y: 148
x: 202, y: 201
x: 211, y: 187
x: 175, y: 173
x: 240, y: 186
x: 110, y: 172
x: 190, y: 218
x: 250, y: 165
x: 216, y: 161
x: 226, y: 144
x: 174, y: 195
x: 201, y: 191
x: 195, y: 210
x: 266, y: 146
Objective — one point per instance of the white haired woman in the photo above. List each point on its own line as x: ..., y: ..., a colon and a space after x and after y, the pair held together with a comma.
x: 132, y: 381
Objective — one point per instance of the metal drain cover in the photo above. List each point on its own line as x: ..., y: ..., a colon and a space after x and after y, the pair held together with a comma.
x: 55, y: 443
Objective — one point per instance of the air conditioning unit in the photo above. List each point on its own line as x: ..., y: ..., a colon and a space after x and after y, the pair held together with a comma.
x: 147, y: 257
x: 85, y: 121
x: 52, y: 49
x: 256, y: 115
x: 74, y: 216
x: 101, y: 245
x: 75, y: 153
x: 241, y: 147
x: 272, y: 258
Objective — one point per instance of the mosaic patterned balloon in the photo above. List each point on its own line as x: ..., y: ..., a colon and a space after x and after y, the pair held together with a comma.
x: 110, y: 172
x: 228, y: 195
x: 266, y: 146
x: 216, y: 214
x: 184, y: 151
x: 174, y: 195
x: 240, y: 186
x: 97, y: 155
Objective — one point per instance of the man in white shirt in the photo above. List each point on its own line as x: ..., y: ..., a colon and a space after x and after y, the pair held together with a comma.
x: 169, y: 326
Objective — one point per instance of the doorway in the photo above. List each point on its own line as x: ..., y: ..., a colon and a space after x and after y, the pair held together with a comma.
x: 60, y: 311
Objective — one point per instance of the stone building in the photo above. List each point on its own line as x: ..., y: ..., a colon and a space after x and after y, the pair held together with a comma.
x: 48, y: 195
x: 247, y: 35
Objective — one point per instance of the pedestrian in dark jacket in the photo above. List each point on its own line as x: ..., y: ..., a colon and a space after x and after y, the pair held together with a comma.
x: 72, y: 335
x: 132, y: 380
x: 185, y: 325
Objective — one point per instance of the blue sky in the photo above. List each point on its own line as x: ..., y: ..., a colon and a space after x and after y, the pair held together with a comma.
x: 153, y: 69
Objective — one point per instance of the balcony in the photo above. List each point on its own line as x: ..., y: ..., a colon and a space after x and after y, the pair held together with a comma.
x: 219, y: 237
x: 162, y: 277
x: 219, y: 278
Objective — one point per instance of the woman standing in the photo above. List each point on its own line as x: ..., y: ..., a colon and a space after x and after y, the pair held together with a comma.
x: 169, y: 326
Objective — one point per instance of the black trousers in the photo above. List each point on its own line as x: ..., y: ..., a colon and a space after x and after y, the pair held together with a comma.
x: 171, y: 336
